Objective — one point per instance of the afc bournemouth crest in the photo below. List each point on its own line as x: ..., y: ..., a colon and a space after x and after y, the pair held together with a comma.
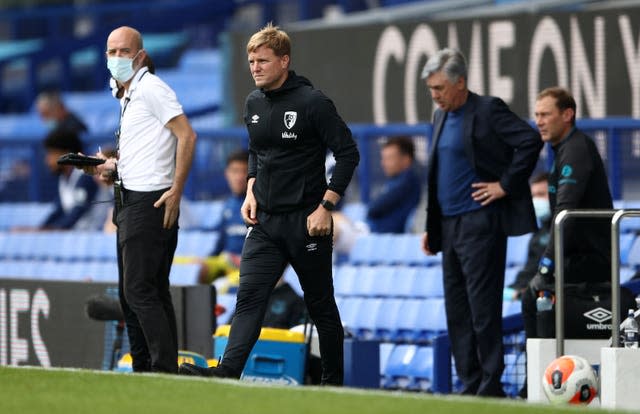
x: 290, y: 119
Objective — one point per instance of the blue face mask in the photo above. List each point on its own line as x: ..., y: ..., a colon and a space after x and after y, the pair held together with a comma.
x: 121, y: 68
x: 542, y: 208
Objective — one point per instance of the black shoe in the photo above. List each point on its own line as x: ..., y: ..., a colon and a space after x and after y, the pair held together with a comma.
x: 190, y: 369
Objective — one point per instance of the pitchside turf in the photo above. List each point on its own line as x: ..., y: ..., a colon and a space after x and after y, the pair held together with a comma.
x: 44, y: 391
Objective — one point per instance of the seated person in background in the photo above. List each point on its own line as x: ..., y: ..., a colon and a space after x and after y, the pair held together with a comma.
x: 539, y: 240
x: 224, y: 259
x: 55, y: 114
x: 389, y: 211
x: 76, y: 191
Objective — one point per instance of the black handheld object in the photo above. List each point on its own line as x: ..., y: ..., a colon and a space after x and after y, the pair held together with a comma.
x: 79, y: 160
x: 103, y: 308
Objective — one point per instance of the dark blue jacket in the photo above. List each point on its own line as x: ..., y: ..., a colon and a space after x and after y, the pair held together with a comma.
x: 85, y: 192
x: 389, y: 211
x: 500, y: 147
x: 232, y: 228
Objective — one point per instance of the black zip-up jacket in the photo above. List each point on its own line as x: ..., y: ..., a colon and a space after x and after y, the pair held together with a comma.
x: 578, y: 181
x: 290, y: 129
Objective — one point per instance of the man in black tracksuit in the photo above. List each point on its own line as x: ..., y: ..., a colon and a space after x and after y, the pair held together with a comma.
x: 288, y: 204
x: 577, y: 181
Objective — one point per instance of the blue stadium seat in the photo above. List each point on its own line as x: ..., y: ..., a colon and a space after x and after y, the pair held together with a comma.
x: 398, y: 367
x: 349, y: 309
x: 517, y: 249
x: 384, y: 279
x: 432, y: 319
x: 344, y: 280
x: 403, y: 281
x: 291, y: 277
x: 44, y: 245
x: 630, y: 224
x: 228, y: 301
x: 364, y: 327
x: 626, y: 273
x: 510, y: 274
x: 386, y: 322
x: 407, y: 322
x: 428, y: 282
x: 633, y: 257
x: 18, y: 245
x: 205, y: 215
x: 626, y: 241
x: 105, y: 272
x: 371, y: 249
x: 203, y: 60
x: 401, y: 246
x: 355, y: 211
x: 196, y: 243
x: 511, y: 307
x: 406, y: 250
x: 184, y: 274
x: 421, y: 369
x: 365, y: 281
x: 514, y: 372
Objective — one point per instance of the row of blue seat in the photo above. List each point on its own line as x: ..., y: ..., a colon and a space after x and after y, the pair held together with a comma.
x: 23, y: 214
x: 194, y: 215
x: 405, y: 249
x: 86, y: 271
x: 392, y: 249
x: 410, y: 367
x: 390, y: 319
x: 89, y: 246
x: 388, y: 281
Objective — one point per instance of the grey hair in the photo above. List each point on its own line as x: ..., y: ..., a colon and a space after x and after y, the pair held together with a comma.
x: 450, y: 61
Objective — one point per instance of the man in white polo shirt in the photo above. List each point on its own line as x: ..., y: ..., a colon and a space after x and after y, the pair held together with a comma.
x: 155, y: 145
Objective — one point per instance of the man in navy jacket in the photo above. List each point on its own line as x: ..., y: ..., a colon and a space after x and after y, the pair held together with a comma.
x: 481, y: 158
x: 389, y: 211
x: 76, y: 191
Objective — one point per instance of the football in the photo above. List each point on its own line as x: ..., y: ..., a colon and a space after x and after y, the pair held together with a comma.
x: 570, y: 379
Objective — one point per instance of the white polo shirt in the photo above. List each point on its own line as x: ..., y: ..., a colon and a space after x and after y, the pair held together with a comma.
x: 147, y: 146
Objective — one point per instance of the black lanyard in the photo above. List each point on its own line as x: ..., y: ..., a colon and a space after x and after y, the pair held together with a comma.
x: 117, y: 133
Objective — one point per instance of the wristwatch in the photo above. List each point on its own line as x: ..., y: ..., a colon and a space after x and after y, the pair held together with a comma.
x: 328, y: 205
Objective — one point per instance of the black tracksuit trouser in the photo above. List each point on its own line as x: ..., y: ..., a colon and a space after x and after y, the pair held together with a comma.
x: 145, y: 254
x: 276, y: 240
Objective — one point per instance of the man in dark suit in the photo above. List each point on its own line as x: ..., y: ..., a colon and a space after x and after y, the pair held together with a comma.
x: 478, y: 194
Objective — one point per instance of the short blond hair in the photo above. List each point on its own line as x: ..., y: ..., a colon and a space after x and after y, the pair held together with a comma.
x: 272, y: 37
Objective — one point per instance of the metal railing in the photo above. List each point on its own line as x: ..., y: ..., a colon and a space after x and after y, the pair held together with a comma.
x: 558, y: 235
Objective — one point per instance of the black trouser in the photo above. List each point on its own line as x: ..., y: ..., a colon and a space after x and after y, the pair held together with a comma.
x: 279, y: 239
x: 145, y: 254
x: 474, y: 252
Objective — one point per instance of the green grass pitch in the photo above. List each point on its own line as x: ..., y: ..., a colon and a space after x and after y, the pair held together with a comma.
x: 50, y: 391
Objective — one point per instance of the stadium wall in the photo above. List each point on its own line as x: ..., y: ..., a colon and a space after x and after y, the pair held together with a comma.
x: 372, y: 72
x: 44, y: 323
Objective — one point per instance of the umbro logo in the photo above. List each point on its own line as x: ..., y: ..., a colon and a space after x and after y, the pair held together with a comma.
x: 598, y: 315
x: 255, y: 119
x: 312, y: 247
